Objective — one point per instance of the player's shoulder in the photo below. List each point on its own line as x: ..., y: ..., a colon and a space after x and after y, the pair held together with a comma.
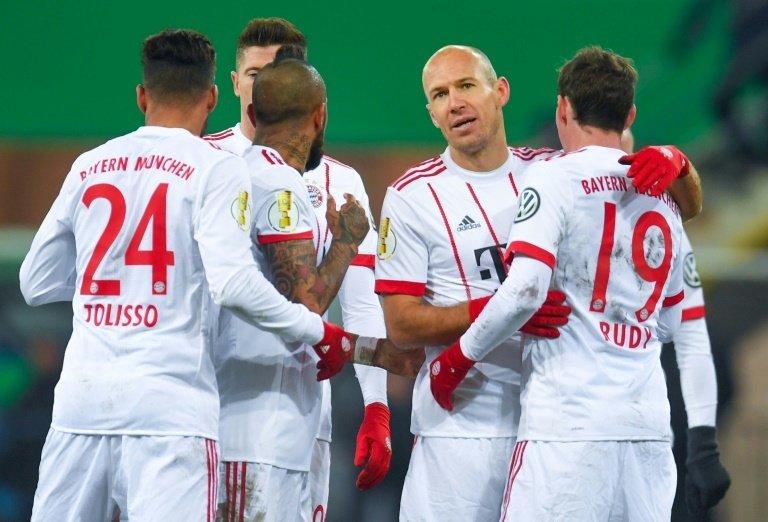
x: 219, y: 136
x: 416, y: 177
x: 528, y: 154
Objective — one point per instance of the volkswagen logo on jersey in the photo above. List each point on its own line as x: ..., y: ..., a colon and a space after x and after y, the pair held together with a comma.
x: 529, y: 204
x: 315, y: 195
x: 241, y: 211
x: 387, y: 240
x: 283, y: 216
x: 690, y: 274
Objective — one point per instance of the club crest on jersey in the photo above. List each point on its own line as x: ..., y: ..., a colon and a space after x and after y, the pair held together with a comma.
x: 529, y: 204
x: 241, y: 210
x: 387, y: 240
x: 283, y: 216
x: 315, y: 195
x: 690, y: 274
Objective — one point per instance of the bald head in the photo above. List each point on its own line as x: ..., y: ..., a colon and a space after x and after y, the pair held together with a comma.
x: 458, y: 52
x: 286, y: 90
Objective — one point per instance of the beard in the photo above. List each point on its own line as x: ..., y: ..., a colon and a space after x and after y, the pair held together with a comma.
x: 315, y: 153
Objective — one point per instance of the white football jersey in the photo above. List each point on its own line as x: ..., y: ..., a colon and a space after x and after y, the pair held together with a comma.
x: 231, y: 139
x: 361, y: 311
x: 616, y: 255
x: 270, y: 397
x: 441, y: 236
x: 144, y: 228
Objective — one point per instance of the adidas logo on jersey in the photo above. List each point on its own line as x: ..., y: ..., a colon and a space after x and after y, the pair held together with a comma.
x: 467, y: 224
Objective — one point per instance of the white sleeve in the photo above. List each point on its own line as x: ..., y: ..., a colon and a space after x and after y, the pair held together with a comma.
x: 402, y: 253
x: 517, y: 299
x: 362, y: 315
x: 282, y: 210
x: 222, y: 233
x: 48, y: 273
x: 697, y: 372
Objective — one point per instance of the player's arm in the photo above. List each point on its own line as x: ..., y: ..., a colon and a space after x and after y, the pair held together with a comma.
x: 656, y: 169
x: 48, y: 271
x: 687, y: 193
x: 706, y: 479
x: 293, y: 263
x: 221, y: 227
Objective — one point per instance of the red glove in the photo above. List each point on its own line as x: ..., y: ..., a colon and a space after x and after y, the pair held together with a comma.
x: 476, y: 306
x: 334, y: 350
x: 374, y: 445
x: 446, y: 372
x: 554, y: 312
x: 653, y: 169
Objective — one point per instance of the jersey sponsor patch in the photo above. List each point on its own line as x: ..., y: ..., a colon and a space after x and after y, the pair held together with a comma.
x: 241, y: 210
x: 387, y: 240
x: 529, y: 204
x: 283, y: 216
x: 690, y: 273
x: 315, y: 195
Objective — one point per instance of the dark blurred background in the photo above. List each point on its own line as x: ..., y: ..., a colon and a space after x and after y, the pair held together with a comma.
x: 68, y: 84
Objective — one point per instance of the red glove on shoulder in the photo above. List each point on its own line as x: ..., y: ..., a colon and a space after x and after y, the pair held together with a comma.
x: 374, y: 444
x: 553, y: 313
x: 334, y: 350
x: 653, y: 169
x: 446, y: 373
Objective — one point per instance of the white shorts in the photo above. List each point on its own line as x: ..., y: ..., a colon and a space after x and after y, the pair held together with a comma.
x: 319, y: 479
x: 596, y: 480
x: 251, y: 491
x: 101, y: 477
x: 455, y: 479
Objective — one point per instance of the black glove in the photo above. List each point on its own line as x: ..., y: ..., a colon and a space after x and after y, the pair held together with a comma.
x: 707, y: 480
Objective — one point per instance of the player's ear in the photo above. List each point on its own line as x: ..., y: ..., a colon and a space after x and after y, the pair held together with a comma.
x: 321, y: 116
x: 235, y: 83
x: 630, y: 117
x: 141, y: 98
x: 502, y: 90
x: 212, y: 98
x: 562, y: 110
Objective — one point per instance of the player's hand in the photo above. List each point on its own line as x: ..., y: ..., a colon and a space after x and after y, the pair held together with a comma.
x: 653, y: 169
x: 334, y: 350
x: 552, y: 314
x: 348, y: 224
x: 706, y: 480
x: 374, y: 445
x: 446, y: 373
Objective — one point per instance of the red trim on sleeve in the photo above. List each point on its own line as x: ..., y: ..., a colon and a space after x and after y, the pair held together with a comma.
x: 697, y: 312
x: 277, y: 238
x: 366, y: 260
x: 533, y: 251
x: 387, y: 286
x: 673, y: 299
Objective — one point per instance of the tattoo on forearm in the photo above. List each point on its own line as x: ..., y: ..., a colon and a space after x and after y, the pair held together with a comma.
x: 295, y: 274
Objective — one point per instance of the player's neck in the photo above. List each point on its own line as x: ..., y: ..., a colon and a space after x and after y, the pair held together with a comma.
x: 488, y: 159
x: 586, y: 136
x: 192, y: 119
x: 290, y: 142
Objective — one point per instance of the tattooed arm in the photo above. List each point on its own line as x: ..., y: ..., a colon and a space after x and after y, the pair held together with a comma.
x: 293, y: 263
